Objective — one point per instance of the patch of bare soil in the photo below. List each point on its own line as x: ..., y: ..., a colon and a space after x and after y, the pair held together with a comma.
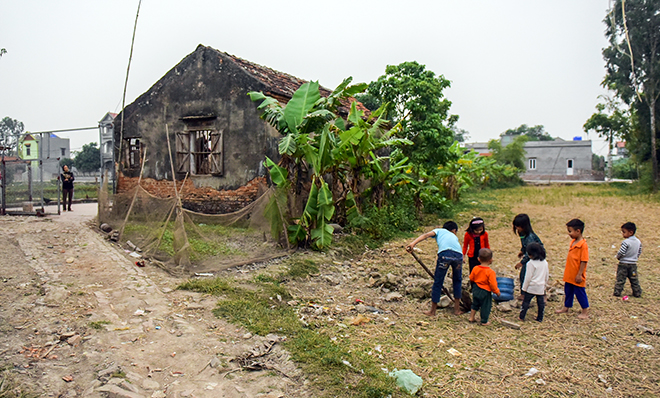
x: 78, y: 318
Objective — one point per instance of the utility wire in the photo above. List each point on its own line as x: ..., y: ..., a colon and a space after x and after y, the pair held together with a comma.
x: 123, y: 100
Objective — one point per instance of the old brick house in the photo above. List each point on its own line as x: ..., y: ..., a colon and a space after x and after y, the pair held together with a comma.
x: 216, y: 136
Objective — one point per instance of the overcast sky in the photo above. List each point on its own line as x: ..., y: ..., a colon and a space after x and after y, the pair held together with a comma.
x: 509, y: 61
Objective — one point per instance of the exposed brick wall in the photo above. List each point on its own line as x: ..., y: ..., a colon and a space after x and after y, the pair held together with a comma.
x: 202, y: 199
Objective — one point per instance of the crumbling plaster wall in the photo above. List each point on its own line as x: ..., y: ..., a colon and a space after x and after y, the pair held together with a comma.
x: 204, y: 83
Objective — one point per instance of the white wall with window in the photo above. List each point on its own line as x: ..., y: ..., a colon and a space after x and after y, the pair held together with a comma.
x: 531, y: 164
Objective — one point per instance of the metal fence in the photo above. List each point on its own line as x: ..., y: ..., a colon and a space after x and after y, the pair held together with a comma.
x: 22, y: 193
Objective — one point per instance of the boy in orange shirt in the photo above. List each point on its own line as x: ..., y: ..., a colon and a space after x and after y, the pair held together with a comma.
x: 485, y: 285
x: 575, y: 274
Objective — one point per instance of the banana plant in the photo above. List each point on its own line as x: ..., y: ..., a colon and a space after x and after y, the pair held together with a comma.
x: 317, y: 138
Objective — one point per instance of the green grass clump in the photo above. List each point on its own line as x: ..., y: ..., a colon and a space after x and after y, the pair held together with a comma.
x: 261, y: 312
x: 119, y: 374
x: 300, y: 269
x: 262, y: 278
x: 98, y: 325
x: 216, y: 286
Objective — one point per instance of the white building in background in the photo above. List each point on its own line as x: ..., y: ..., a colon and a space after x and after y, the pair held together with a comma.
x: 553, y: 160
x: 106, y: 147
x: 50, y: 149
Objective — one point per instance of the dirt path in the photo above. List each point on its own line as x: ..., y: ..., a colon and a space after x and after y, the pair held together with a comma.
x: 78, y: 318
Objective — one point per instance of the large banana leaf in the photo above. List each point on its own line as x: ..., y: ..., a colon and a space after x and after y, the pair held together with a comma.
x: 353, y: 215
x: 256, y: 95
x: 355, y: 116
x: 340, y: 123
x: 311, y: 155
x: 326, y: 206
x: 301, y: 103
x: 356, y: 89
x: 277, y: 174
x: 337, y: 92
x: 352, y: 136
x: 275, y: 213
x: 311, y: 207
x: 325, y: 151
x: 297, y: 233
x: 288, y: 145
x: 322, y: 235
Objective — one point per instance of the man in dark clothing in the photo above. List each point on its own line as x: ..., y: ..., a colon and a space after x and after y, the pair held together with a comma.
x: 67, y: 186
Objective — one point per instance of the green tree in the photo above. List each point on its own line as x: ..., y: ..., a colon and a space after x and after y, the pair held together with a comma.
x: 533, y: 133
x: 88, y: 159
x: 460, y: 135
x: 369, y: 100
x: 512, y: 154
x: 633, y: 64
x: 10, y: 134
x: 597, y: 162
x: 67, y: 162
x: 414, y: 98
x: 610, y: 122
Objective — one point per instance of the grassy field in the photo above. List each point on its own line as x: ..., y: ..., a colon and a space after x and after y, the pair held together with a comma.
x: 593, y: 358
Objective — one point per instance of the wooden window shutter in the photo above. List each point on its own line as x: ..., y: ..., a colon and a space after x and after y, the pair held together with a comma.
x: 217, y: 154
x: 182, y: 152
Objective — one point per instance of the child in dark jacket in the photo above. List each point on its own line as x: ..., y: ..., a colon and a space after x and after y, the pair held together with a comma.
x: 485, y: 284
x: 475, y: 239
x: 522, y: 227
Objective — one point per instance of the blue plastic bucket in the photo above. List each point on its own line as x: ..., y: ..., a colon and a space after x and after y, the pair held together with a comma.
x: 506, y: 289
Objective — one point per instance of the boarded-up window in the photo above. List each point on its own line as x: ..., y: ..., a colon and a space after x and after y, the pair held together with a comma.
x: 132, y: 156
x: 199, y: 152
x: 183, y: 152
x: 134, y: 153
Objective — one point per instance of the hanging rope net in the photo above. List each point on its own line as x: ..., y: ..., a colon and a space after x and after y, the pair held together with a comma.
x: 184, y: 241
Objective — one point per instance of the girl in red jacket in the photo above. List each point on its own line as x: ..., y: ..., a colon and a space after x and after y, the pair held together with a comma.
x: 476, y: 238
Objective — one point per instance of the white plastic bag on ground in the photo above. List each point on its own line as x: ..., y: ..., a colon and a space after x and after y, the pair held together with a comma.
x: 407, y: 379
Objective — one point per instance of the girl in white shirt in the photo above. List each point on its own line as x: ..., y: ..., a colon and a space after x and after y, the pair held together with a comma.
x: 536, y: 279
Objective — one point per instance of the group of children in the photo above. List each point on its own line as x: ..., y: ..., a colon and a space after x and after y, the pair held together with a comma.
x: 532, y: 265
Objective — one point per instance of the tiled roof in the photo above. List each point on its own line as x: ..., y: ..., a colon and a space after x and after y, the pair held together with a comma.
x: 282, y: 85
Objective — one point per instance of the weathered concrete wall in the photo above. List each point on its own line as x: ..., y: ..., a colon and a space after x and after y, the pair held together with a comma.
x: 204, y: 83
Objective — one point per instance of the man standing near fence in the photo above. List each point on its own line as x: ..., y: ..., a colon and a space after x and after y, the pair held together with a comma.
x: 67, y: 186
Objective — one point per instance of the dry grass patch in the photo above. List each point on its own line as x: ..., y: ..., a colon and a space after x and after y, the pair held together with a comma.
x: 592, y: 358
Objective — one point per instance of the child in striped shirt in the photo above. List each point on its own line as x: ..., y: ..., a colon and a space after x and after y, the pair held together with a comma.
x: 631, y: 249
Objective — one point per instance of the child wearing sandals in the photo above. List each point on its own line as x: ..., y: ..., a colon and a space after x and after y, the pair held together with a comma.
x: 536, y: 279
x: 485, y: 285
